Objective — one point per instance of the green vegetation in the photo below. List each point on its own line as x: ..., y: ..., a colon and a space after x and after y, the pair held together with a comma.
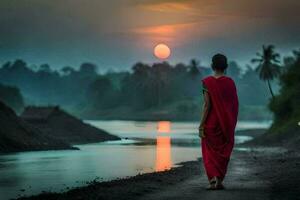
x: 149, y: 92
x: 12, y: 97
x: 146, y: 92
x: 268, y: 67
x: 285, y: 105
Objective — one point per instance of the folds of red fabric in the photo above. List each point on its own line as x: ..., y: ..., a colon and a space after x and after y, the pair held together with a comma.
x: 219, y: 126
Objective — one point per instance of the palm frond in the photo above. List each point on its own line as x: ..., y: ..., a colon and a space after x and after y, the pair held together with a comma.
x: 256, y: 60
x: 258, y: 68
x: 268, y: 67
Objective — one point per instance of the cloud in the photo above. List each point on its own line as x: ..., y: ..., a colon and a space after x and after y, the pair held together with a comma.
x: 68, y: 30
x: 168, y: 7
x: 246, y: 8
x: 172, y: 33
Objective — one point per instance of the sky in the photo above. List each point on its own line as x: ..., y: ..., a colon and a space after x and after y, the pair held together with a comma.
x: 115, y: 34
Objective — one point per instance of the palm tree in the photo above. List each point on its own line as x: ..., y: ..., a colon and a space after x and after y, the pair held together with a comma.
x: 268, y: 65
x: 194, y: 67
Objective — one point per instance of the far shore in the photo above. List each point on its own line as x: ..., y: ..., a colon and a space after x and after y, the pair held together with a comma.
x: 155, y: 119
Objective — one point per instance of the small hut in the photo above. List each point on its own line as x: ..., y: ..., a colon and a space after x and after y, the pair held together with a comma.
x: 56, y: 122
x: 18, y: 135
x: 39, y: 115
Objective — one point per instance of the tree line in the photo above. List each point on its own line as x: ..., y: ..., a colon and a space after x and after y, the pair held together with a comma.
x: 157, y: 86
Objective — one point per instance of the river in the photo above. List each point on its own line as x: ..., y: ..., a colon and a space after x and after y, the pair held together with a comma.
x: 164, y: 145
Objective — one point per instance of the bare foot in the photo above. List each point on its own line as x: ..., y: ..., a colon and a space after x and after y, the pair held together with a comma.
x: 212, y: 184
x: 211, y: 187
x: 219, y: 185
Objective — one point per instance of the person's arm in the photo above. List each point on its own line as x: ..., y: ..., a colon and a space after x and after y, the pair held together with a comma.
x: 205, y: 111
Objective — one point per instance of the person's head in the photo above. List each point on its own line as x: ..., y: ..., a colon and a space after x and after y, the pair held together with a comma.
x: 219, y: 63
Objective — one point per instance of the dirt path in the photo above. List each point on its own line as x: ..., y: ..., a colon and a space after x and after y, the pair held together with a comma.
x: 251, y: 176
x: 242, y: 182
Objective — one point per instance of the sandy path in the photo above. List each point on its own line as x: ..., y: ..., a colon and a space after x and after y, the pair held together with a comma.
x: 242, y: 182
x: 251, y: 175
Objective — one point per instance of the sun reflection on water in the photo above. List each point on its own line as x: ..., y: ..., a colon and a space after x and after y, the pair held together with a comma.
x: 163, y: 147
x: 164, y: 127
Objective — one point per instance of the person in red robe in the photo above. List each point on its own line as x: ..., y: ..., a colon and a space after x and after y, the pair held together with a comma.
x: 219, y: 118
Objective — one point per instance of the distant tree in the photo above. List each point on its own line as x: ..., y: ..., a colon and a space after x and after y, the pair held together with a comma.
x: 290, y: 60
x: 286, y: 106
x: 12, y: 97
x: 67, y: 70
x: 143, y: 84
x: 180, y: 68
x: 250, y: 85
x: 88, y: 69
x: 234, y: 70
x: 100, y: 93
x: 34, y: 67
x: 194, y: 68
x: 6, y: 65
x: 116, y: 78
x: 19, y: 65
x: 161, y: 80
x: 268, y: 65
x: 45, y: 68
x: 192, y: 84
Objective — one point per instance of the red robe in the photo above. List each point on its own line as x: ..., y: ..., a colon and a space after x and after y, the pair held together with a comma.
x: 219, y: 126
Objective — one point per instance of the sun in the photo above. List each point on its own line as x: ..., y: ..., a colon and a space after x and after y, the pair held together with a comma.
x: 162, y: 51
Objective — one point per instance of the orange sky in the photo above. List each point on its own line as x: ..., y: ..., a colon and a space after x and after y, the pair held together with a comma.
x: 118, y: 33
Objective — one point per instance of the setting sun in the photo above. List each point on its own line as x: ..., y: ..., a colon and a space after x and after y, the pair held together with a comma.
x: 162, y: 51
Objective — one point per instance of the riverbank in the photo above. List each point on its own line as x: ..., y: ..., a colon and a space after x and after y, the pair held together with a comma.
x: 131, y: 187
x: 249, y: 177
x: 16, y: 135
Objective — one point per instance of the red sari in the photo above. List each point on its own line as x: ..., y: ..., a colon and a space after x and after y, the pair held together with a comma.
x: 219, y: 125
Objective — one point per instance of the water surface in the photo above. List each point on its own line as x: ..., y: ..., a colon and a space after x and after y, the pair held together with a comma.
x: 170, y: 143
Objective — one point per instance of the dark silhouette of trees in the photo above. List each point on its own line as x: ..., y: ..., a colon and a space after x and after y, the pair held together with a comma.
x: 19, y: 65
x: 101, y: 93
x: 45, y: 68
x: 193, y: 79
x: 249, y: 85
x: 159, y: 86
x: 268, y: 65
x: 88, y: 69
x: 6, y: 66
x: 47, y: 86
x: 194, y: 68
x: 67, y: 70
x: 234, y: 71
x: 12, y: 97
x: 286, y: 104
